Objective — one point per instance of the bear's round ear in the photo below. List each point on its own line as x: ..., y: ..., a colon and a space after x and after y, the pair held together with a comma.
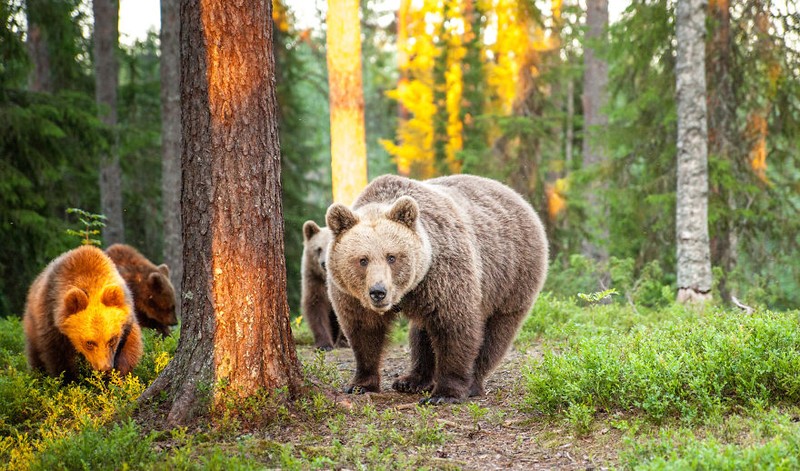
x: 113, y: 296
x: 75, y: 301
x: 164, y: 269
x: 405, y: 211
x: 155, y: 281
x: 339, y: 219
x: 310, y: 228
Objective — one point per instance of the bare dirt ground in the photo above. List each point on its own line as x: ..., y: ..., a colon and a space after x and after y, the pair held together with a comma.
x: 504, y: 438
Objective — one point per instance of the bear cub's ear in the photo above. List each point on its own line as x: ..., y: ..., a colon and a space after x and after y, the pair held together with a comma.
x: 405, y: 211
x: 75, y: 301
x: 339, y: 218
x: 310, y: 229
x: 164, y: 269
x: 113, y: 296
x: 156, y: 282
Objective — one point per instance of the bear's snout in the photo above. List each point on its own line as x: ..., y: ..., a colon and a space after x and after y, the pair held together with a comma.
x: 377, y: 293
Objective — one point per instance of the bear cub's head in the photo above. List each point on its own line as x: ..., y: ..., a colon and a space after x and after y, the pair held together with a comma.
x: 315, y: 248
x: 379, y: 252
x: 158, y: 300
x: 94, y: 323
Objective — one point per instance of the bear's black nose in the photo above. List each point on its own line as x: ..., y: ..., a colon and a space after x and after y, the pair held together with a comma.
x: 323, y: 265
x: 377, y: 293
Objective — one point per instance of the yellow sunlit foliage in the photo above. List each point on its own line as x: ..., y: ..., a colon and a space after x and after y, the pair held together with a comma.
x: 556, y: 201
x: 757, y: 130
x: 280, y: 16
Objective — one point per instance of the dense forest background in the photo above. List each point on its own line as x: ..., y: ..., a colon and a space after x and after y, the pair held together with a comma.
x: 490, y: 87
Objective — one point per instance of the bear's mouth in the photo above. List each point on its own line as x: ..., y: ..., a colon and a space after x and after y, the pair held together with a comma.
x: 380, y: 307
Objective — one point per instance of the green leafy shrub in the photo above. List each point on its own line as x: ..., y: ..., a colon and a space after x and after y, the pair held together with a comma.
x: 690, y: 368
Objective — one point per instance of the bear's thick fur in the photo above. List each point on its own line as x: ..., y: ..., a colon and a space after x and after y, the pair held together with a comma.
x: 80, y: 304
x: 315, y: 304
x: 462, y: 257
x: 153, y: 293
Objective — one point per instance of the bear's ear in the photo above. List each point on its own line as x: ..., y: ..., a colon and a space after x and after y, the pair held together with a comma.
x: 164, y: 269
x: 405, y: 211
x: 113, y: 296
x: 155, y: 281
x: 339, y: 219
x: 310, y: 229
x: 75, y: 301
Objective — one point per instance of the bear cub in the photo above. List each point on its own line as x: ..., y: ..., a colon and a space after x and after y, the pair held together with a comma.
x: 315, y: 304
x: 153, y: 293
x: 463, y: 257
x: 80, y: 305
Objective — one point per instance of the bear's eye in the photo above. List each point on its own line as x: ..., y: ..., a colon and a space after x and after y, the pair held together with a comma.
x: 319, y: 251
x: 90, y: 345
x: 363, y: 262
x: 390, y: 259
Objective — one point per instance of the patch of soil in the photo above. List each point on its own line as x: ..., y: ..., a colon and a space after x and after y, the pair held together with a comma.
x: 504, y: 438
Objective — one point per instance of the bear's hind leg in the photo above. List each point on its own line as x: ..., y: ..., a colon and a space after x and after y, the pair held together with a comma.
x: 423, y: 363
x: 499, y: 333
x: 338, y: 337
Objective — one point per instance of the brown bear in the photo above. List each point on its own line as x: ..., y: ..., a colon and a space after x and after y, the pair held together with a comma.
x: 315, y: 304
x: 80, y: 304
x: 153, y: 294
x: 463, y: 257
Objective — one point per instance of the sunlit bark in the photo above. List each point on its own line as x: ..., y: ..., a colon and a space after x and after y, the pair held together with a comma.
x: 348, y: 141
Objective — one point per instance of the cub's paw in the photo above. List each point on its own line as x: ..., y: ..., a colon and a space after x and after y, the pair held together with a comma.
x: 411, y: 384
x: 439, y: 400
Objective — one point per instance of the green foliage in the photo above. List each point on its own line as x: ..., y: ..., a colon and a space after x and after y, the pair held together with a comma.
x: 690, y: 368
x: 598, y: 296
x: 91, y: 224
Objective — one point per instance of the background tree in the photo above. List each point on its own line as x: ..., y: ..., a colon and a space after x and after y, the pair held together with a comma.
x: 348, y: 141
x: 106, y: 37
x: 235, y: 332
x: 694, y: 258
x: 595, y: 122
x: 171, y: 141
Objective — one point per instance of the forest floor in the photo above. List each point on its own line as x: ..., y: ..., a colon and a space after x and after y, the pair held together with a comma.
x: 485, y: 433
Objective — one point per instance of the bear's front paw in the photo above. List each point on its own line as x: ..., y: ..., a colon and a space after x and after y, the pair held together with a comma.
x: 411, y: 384
x: 439, y: 400
x: 359, y: 389
x: 325, y: 348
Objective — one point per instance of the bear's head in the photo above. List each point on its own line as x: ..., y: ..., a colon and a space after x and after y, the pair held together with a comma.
x: 315, y: 248
x: 158, y: 298
x: 95, y: 324
x: 379, y: 252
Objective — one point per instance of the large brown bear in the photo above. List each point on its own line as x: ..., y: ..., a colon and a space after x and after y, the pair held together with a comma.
x: 315, y: 304
x: 153, y: 293
x: 80, y: 304
x: 462, y: 257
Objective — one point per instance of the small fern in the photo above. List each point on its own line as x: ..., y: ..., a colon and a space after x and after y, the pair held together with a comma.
x: 596, y: 297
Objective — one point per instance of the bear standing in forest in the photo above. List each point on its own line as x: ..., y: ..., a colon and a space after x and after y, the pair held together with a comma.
x: 462, y: 257
x: 153, y: 293
x: 315, y: 304
x: 79, y: 304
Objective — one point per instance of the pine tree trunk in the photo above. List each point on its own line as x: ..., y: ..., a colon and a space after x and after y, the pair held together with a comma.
x: 235, y: 329
x: 106, y: 37
x: 40, y: 78
x: 171, y: 141
x: 694, y: 259
x: 595, y: 122
x: 348, y: 139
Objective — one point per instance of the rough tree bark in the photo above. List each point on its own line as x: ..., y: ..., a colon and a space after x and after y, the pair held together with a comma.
x: 171, y: 141
x: 106, y: 38
x: 348, y: 141
x: 595, y: 96
x: 235, y: 336
x: 40, y: 79
x: 694, y: 259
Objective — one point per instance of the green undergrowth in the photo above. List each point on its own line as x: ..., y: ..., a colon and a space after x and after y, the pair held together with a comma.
x: 693, y: 368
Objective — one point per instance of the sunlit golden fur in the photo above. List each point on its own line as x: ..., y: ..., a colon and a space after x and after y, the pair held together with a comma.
x: 462, y: 257
x: 80, y: 305
x: 153, y: 293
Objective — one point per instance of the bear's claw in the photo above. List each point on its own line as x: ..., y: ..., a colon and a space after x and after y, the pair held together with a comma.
x: 354, y: 390
x: 439, y: 400
x: 406, y: 385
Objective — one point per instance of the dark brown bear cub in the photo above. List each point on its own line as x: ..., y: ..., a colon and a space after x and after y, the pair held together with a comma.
x: 153, y: 294
x: 462, y: 257
x: 79, y: 305
x: 315, y: 303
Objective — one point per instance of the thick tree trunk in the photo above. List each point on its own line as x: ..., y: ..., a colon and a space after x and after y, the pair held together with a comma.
x: 348, y: 139
x: 694, y: 259
x: 106, y: 37
x: 171, y: 141
x: 595, y: 122
x: 235, y: 329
